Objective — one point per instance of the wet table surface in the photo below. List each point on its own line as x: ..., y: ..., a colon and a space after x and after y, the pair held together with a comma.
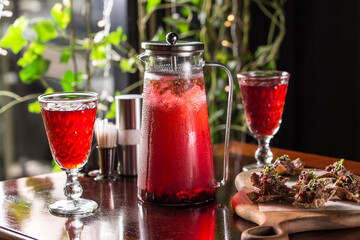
x: 24, y: 206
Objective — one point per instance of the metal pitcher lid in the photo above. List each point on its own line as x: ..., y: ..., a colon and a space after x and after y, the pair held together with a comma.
x: 172, y: 46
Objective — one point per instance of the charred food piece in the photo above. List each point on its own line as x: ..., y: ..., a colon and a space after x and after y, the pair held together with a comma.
x: 314, y: 195
x: 335, y: 170
x: 304, y: 179
x: 307, y: 176
x: 270, y: 186
x: 284, y: 166
x: 348, y: 188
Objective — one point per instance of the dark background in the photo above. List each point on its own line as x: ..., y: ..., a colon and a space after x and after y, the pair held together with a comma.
x: 321, y: 52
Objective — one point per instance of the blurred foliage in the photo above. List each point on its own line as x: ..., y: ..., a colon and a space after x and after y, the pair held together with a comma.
x: 34, y: 64
x: 224, y: 26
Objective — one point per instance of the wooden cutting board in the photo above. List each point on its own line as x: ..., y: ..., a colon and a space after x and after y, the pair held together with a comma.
x: 278, y: 224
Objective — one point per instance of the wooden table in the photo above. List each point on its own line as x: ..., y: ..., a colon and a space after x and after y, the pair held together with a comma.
x: 24, y: 207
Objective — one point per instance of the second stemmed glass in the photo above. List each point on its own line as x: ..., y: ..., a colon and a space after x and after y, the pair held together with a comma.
x: 69, y: 123
x: 263, y: 95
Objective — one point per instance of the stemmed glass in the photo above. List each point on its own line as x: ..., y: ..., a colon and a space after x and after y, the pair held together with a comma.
x: 263, y: 96
x: 69, y: 123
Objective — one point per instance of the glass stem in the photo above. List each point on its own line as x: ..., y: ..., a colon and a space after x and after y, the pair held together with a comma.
x: 72, y: 189
x: 263, y: 154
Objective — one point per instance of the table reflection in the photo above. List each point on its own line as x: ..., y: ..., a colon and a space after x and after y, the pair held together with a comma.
x: 74, y: 227
x: 118, y: 217
x: 197, y: 222
x: 120, y: 214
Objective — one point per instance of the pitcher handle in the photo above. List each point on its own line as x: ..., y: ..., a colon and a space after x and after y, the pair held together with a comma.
x: 228, y: 121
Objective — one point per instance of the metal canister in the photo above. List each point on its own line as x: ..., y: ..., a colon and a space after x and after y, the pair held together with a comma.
x: 128, y: 123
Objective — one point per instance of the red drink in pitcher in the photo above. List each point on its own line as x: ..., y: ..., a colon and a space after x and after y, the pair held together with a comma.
x: 263, y: 105
x: 176, y: 155
x: 70, y: 135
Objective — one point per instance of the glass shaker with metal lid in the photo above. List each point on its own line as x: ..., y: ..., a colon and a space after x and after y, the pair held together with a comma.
x: 176, y: 162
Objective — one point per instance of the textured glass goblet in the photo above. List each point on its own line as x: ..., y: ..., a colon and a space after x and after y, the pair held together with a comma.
x: 263, y: 96
x: 69, y: 123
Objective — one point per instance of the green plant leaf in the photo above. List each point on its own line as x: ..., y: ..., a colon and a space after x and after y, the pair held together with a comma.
x: 37, y: 47
x: 183, y: 27
x: 150, y: 4
x: 65, y: 56
x: 13, y: 38
x: 69, y: 81
x: 98, y: 52
x: 171, y: 21
x: 127, y: 64
x: 222, y: 57
x: 34, y: 70
x: 270, y: 66
x: 181, y: 24
x: 21, y: 23
x: 61, y: 16
x: 85, y: 44
x: 116, y: 37
x: 49, y: 90
x: 56, y: 168
x: 222, y: 96
x: 196, y: 2
x: 45, y: 30
x: 111, y: 112
x: 185, y: 11
x: 27, y: 58
x: 34, y: 50
x: 160, y: 35
x: 34, y: 107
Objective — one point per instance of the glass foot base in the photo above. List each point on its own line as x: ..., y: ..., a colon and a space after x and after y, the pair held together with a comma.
x: 254, y: 166
x: 68, y: 207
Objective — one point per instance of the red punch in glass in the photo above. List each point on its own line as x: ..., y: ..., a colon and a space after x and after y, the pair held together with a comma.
x: 69, y: 123
x: 263, y: 95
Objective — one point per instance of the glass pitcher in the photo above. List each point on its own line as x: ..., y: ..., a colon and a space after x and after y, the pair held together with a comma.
x: 176, y: 163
